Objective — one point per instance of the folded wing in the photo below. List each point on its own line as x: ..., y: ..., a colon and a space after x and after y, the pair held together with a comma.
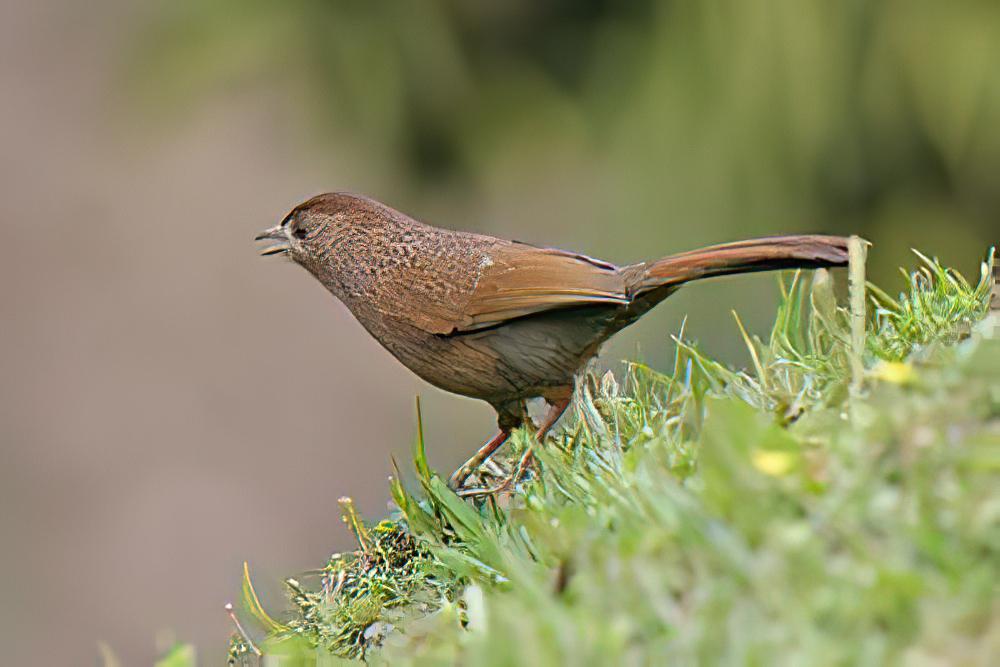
x: 518, y: 280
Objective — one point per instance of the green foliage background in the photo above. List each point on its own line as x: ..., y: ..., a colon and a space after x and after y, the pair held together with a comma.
x: 678, y: 123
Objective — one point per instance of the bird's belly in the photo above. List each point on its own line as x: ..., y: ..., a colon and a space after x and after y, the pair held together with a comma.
x: 448, y: 363
x: 519, y: 359
x: 537, y: 353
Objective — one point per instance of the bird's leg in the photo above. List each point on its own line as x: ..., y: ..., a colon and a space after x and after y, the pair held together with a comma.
x: 551, y: 417
x: 555, y: 411
x: 458, y: 477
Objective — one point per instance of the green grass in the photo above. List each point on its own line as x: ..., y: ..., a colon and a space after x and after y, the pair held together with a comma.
x: 838, y: 503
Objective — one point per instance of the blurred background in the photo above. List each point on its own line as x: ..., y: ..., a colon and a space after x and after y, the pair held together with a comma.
x: 171, y: 404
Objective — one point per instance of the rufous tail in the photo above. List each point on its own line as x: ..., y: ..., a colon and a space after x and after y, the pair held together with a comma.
x: 764, y: 254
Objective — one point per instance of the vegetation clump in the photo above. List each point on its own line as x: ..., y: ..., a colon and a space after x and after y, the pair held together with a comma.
x: 838, y: 503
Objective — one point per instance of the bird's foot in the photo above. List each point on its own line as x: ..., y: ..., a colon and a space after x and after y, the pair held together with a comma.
x: 507, y: 482
x: 482, y: 456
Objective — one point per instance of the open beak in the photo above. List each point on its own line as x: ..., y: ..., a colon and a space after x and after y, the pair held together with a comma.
x: 273, y: 241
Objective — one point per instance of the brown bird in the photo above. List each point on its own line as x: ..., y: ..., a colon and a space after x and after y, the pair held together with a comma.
x: 498, y: 320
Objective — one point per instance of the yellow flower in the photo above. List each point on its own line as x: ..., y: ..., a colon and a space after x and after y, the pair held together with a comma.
x: 773, y: 462
x: 896, y: 372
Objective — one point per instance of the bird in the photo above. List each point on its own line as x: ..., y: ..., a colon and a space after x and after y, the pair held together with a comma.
x: 499, y: 320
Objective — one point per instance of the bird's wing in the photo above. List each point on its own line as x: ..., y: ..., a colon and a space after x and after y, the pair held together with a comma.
x: 517, y: 279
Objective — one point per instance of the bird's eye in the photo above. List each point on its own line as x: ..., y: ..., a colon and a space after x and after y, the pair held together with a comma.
x: 299, y: 231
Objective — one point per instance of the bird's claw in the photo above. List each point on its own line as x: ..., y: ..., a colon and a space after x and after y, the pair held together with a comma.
x: 507, y: 482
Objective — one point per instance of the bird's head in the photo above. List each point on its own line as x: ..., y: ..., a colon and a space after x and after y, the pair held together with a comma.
x: 314, y: 228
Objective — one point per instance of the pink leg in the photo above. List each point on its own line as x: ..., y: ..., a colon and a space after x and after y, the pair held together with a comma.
x: 551, y: 417
x: 458, y: 477
x: 556, y: 411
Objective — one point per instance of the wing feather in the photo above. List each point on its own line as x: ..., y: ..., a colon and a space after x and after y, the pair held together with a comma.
x: 519, y: 280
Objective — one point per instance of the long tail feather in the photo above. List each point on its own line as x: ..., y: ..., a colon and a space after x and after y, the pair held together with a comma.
x: 765, y: 254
